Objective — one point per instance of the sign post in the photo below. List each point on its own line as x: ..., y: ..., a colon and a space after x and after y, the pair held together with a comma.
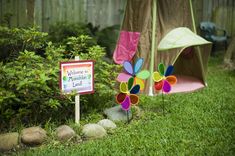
x: 77, y: 102
x: 77, y: 108
x: 77, y: 76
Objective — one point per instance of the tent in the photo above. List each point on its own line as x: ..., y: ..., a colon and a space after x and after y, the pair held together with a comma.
x: 168, y: 35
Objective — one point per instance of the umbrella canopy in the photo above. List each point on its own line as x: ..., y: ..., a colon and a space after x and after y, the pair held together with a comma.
x: 180, y: 38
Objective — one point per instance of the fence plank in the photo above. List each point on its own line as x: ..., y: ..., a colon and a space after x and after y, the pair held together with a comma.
x: 46, y: 12
x: 38, y: 14
x: 221, y: 12
x: 30, y: 11
x: 102, y: 13
x: 0, y: 10
x: 22, y: 15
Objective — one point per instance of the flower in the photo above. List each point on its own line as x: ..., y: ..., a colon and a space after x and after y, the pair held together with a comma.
x: 139, y: 76
x: 164, y: 80
x: 128, y: 96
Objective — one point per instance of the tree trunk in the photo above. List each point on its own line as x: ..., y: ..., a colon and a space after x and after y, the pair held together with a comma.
x: 229, y: 58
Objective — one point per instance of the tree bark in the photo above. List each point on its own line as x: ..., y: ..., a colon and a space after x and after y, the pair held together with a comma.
x: 229, y: 57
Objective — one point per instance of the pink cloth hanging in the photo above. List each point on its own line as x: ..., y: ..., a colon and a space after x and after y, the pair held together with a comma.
x: 126, y: 46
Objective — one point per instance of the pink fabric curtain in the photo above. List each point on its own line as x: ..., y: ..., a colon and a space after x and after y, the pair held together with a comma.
x: 126, y: 46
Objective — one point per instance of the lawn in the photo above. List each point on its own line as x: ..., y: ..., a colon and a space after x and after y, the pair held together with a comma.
x: 199, y: 123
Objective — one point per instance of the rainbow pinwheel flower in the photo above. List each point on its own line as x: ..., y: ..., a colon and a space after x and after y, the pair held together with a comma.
x: 139, y: 76
x: 164, y: 80
x: 128, y: 96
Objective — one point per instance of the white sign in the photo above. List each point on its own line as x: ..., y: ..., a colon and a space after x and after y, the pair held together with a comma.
x: 77, y: 76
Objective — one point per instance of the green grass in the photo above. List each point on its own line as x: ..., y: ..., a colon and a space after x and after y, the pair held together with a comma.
x: 199, y: 123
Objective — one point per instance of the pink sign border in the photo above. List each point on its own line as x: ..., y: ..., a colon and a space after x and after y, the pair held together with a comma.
x: 80, y: 61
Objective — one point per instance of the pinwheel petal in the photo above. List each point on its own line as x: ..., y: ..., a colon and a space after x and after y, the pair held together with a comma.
x: 138, y: 65
x: 123, y: 77
x: 139, y: 82
x: 128, y: 67
x: 166, y: 86
x: 123, y: 87
x: 134, y: 99
x: 135, y: 89
x: 171, y: 79
x: 157, y: 77
x: 130, y: 83
x: 169, y: 70
x: 126, y: 103
x: 158, y: 85
x: 161, y: 69
x: 144, y: 74
x: 120, y: 97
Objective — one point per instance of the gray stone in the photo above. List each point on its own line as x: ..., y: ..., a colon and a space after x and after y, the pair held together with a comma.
x: 33, y: 136
x: 93, y: 131
x: 117, y: 114
x: 64, y: 133
x: 8, y: 141
x: 107, y: 124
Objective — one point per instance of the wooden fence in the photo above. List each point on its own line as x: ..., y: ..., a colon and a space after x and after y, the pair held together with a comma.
x: 43, y: 13
x: 221, y: 12
x: 102, y: 12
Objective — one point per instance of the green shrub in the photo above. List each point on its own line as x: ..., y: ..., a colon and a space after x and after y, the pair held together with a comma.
x: 29, y: 88
x: 78, y: 45
x: 105, y: 73
x: 105, y: 78
x: 106, y: 37
x: 12, y: 41
x: 59, y: 32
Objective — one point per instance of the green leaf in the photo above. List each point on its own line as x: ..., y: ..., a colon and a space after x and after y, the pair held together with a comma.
x: 130, y: 83
x: 161, y: 69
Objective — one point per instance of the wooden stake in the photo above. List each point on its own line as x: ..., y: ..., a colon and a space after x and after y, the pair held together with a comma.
x: 77, y: 109
x: 77, y: 103
x: 163, y: 104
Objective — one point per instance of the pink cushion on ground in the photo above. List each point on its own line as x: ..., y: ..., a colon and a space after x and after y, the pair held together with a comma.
x: 186, y: 84
x: 126, y: 46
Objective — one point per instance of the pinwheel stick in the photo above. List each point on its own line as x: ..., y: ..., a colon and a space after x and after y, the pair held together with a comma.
x: 163, y: 106
x: 127, y: 115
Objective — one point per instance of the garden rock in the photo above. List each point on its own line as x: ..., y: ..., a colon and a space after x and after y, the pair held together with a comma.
x: 107, y: 124
x: 8, y: 141
x: 33, y: 136
x: 117, y: 114
x: 64, y: 133
x: 93, y: 131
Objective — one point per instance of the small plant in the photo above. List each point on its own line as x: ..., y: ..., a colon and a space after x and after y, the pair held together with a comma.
x: 78, y: 45
x: 12, y: 41
x: 59, y: 32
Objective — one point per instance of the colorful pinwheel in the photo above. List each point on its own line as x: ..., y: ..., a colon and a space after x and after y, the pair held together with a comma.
x: 164, y: 80
x: 128, y: 96
x: 139, y: 76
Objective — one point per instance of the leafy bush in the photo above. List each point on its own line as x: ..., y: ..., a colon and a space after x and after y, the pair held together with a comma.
x: 105, y: 73
x: 29, y: 88
x: 105, y: 78
x: 19, y: 39
x: 60, y: 31
x: 78, y: 45
x: 106, y: 37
